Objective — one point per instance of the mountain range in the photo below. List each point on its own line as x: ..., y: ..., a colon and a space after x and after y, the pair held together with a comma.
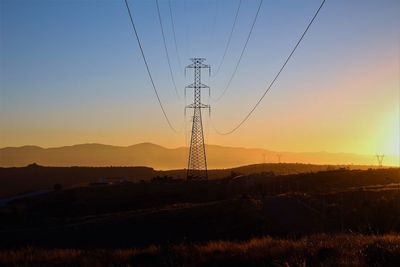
x: 158, y: 157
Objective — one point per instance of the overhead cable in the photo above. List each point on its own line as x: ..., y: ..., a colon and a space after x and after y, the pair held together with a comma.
x: 174, y: 34
x: 241, y: 55
x: 148, y: 69
x: 276, y: 76
x: 166, y: 50
x: 229, y: 39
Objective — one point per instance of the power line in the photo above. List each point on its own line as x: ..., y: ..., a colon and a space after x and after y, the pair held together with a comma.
x: 166, y: 50
x: 148, y: 69
x: 276, y: 76
x: 241, y: 54
x: 229, y: 38
x: 173, y: 31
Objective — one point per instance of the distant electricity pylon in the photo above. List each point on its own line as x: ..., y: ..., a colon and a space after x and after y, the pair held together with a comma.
x: 197, y: 165
x: 279, y: 156
x: 380, y: 159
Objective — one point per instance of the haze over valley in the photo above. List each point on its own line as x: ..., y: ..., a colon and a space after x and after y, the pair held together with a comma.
x: 158, y: 157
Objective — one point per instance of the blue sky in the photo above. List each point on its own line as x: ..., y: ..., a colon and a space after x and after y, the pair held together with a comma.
x: 71, y: 72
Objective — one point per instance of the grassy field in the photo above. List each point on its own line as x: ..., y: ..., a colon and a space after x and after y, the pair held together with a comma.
x: 315, y: 250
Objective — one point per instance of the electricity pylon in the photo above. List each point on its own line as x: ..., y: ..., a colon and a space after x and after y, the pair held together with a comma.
x: 380, y: 159
x: 197, y: 165
x: 279, y: 156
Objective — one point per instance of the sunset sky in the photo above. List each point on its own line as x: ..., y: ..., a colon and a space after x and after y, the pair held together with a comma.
x: 71, y: 72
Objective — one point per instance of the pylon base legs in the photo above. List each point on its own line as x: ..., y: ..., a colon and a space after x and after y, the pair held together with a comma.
x: 197, y: 168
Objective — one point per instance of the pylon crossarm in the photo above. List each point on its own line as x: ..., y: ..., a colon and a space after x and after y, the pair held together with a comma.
x: 198, y: 65
x: 194, y: 85
x: 198, y: 106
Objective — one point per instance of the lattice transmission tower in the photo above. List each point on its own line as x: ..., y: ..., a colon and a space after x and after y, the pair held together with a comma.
x: 380, y: 159
x: 197, y: 165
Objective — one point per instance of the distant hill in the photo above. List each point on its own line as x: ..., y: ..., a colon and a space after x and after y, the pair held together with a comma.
x: 158, y: 157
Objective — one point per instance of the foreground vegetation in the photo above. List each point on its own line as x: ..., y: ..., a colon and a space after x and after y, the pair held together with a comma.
x: 315, y: 250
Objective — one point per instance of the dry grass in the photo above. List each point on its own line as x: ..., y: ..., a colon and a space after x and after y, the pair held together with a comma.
x: 316, y: 250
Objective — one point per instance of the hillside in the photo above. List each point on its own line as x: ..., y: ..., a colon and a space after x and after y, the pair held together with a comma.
x: 158, y: 157
x: 326, y: 218
x: 172, y: 212
x: 33, y: 178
